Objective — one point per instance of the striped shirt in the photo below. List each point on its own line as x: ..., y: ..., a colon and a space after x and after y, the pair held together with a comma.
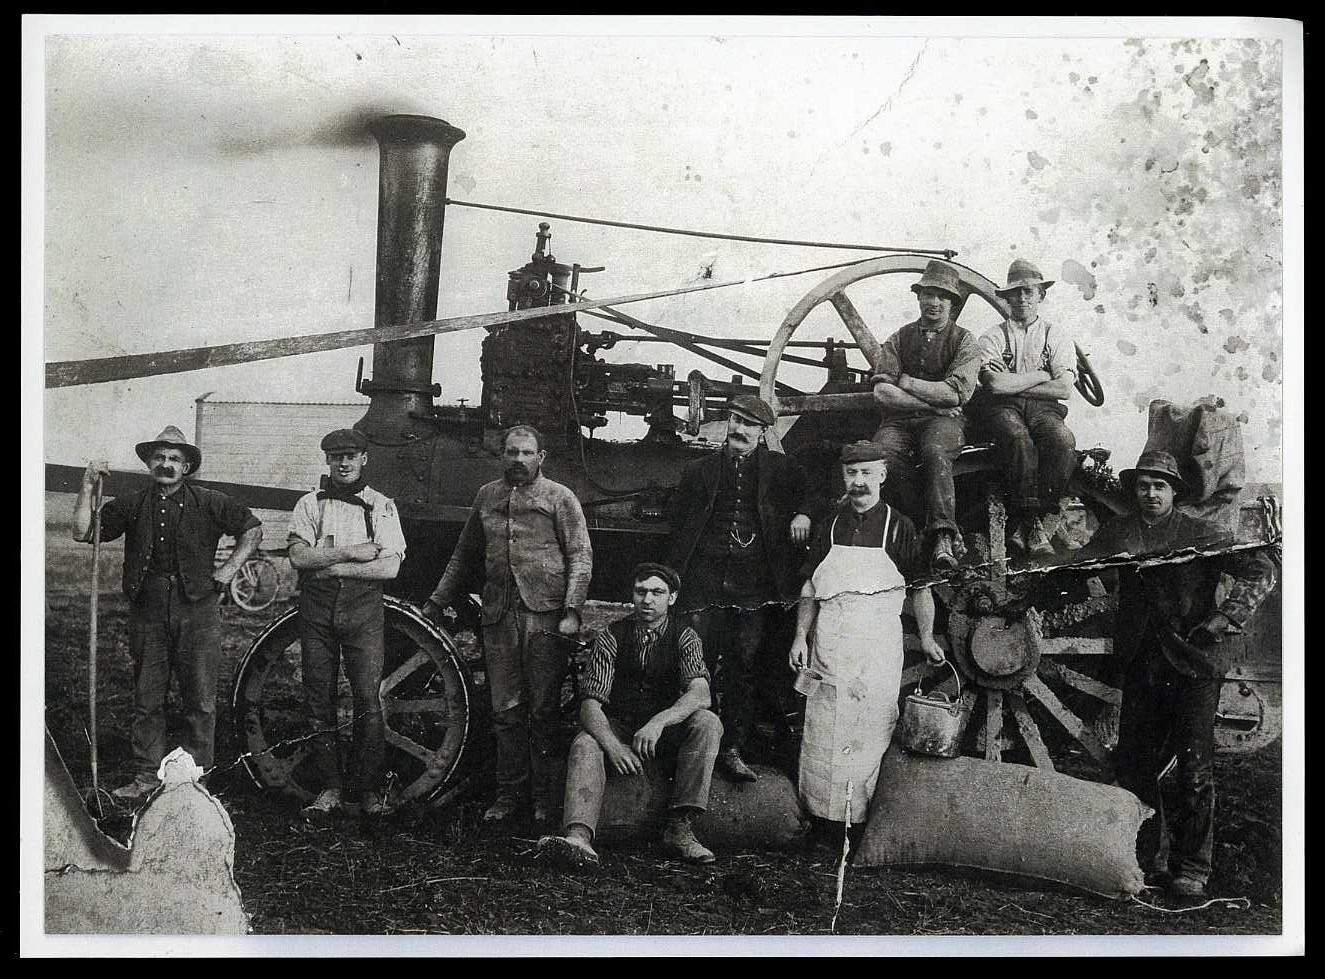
x: 601, y: 669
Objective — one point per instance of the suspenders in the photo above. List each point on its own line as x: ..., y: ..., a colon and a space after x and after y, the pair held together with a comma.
x: 1007, y: 349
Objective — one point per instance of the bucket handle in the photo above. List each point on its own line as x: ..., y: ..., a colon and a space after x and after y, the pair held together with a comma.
x: 956, y: 676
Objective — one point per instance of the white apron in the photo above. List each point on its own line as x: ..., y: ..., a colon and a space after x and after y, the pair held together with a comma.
x: 857, y: 646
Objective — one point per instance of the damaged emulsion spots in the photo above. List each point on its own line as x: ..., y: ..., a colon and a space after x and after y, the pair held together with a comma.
x: 1196, y: 81
x: 1079, y: 276
x: 1036, y: 160
x: 1127, y: 348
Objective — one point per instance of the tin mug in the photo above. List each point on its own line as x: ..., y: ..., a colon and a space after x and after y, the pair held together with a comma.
x: 807, y: 681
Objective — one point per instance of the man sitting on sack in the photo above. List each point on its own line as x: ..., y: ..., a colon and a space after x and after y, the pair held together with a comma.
x: 644, y: 702
x: 1026, y: 377
x: 865, y: 559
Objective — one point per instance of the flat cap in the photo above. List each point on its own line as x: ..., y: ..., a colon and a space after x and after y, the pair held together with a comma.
x: 344, y: 440
x: 862, y: 451
x: 752, y: 408
x: 652, y: 569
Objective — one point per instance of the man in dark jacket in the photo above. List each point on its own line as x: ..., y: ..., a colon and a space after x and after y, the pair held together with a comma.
x: 644, y: 701
x: 1169, y: 635
x: 740, y: 519
x: 171, y: 530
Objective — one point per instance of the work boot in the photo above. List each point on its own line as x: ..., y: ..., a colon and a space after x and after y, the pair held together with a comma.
x: 545, y: 816
x: 679, y: 838
x: 1188, y: 887
x: 500, y: 811
x: 1037, y: 541
x: 374, y: 806
x: 136, y: 791
x: 327, y: 803
x: 568, y: 851
x: 734, y: 765
x: 943, y: 559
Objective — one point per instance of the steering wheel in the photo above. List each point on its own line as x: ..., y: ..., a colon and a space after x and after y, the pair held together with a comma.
x: 833, y: 290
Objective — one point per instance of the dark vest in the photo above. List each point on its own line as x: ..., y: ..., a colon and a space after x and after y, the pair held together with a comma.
x: 932, y: 360
x: 637, y: 694
x: 735, y: 510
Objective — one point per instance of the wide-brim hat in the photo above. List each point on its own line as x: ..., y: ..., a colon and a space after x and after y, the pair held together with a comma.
x: 752, y: 408
x: 1156, y: 463
x: 941, y: 276
x: 1023, y: 273
x: 173, y: 438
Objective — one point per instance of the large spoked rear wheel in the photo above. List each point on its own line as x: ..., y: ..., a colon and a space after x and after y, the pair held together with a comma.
x: 426, y: 692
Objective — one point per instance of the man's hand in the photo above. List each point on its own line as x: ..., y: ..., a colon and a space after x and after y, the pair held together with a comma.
x: 570, y: 623
x: 222, y: 575
x: 997, y: 366
x: 932, y: 650
x: 1210, y: 631
x: 95, y: 468
x: 367, y: 551
x: 800, y: 653
x: 800, y: 528
x: 623, y: 760
x: 646, y: 738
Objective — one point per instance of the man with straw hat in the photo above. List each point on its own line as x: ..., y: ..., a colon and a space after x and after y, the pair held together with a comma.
x: 1029, y: 365
x: 926, y: 372
x: 171, y: 531
x: 1170, y: 631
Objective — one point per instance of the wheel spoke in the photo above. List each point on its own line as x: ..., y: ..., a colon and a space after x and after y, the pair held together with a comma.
x: 1030, y: 733
x: 860, y: 331
x: 397, y: 676
x: 440, y: 707
x: 993, y: 725
x: 1086, y: 684
x: 1072, y: 646
x: 408, y: 745
x: 1071, y: 723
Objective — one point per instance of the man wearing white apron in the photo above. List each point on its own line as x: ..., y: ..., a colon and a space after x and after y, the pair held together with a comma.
x: 865, y: 559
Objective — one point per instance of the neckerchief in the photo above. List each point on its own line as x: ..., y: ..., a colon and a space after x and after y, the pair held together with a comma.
x: 349, y: 494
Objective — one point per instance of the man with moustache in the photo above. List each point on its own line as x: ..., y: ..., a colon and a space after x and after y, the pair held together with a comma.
x: 171, y: 531
x: 865, y: 559
x: 926, y: 372
x: 643, y: 702
x: 1028, y: 366
x: 739, y: 519
x: 531, y: 537
x: 345, y: 540
x: 1169, y: 634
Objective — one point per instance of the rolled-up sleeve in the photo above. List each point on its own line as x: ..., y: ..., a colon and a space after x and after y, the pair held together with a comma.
x: 600, y: 670
x: 992, y: 343
x: 387, y: 531
x: 965, y: 367
x: 573, y: 535
x: 889, y: 367
x: 690, y: 659
x: 1062, y: 353
x: 116, y: 515
x: 230, y: 515
x: 304, y: 521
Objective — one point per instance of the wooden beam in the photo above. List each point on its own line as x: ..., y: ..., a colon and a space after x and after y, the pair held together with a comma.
x: 1030, y: 733
x: 1086, y: 684
x: 816, y: 403
x: 869, y: 344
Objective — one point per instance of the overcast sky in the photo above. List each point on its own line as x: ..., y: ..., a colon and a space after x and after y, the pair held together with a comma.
x: 209, y: 189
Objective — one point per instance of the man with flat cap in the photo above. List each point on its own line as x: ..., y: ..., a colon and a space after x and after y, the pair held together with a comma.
x: 926, y: 372
x: 740, y: 518
x: 1170, y: 635
x: 345, y: 540
x: 643, y: 701
x: 865, y: 560
x: 171, y: 531
x: 1026, y: 377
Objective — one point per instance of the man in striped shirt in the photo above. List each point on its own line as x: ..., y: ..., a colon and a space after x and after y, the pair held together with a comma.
x: 644, y: 701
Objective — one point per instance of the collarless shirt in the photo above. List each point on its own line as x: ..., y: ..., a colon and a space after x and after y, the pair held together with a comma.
x: 852, y: 529
x: 601, y: 669
x: 166, y: 511
x: 336, y: 523
x: 949, y: 354
x: 1038, y: 347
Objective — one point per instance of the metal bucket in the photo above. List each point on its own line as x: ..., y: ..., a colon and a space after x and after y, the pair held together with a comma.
x: 931, y: 724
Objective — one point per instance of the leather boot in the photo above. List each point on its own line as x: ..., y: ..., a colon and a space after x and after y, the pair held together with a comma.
x: 679, y: 838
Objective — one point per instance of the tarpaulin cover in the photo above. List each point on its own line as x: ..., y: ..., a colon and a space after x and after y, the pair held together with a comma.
x: 968, y: 812
x: 1206, y: 441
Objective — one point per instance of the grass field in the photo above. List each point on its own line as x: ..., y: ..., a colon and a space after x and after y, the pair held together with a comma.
x: 442, y: 873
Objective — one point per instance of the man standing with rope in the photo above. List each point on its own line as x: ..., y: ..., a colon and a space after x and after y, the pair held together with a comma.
x: 739, y: 520
x: 171, y: 530
x: 926, y: 372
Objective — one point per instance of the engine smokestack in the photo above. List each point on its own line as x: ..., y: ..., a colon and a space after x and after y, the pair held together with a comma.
x: 411, y: 206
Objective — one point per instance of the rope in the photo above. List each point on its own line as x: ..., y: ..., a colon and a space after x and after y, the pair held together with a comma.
x: 1242, y: 902
x: 688, y: 232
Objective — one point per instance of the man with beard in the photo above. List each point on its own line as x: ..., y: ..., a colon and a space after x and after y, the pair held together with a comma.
x: 643, y: 702
x: 530, y: 535
x: 1169, y: 635
x: 739, y: 519
x: 345, y: 540
x: 1026, y: 379
x: 926, y: 372
x: 171, y: 529
x: 864, y: 561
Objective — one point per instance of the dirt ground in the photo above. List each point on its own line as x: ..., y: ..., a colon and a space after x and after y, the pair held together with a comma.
x: 442, y: 873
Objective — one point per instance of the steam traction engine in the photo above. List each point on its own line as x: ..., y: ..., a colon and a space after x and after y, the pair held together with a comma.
x: 1034, y: 652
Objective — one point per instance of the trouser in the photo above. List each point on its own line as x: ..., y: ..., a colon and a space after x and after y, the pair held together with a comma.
x: 341, y: 620
x: 935, y: 442
x: 689, y: 748
x: 1038, y: 450
x: 526, y: 666
x: 1166, y: 712
x: 733, y: 640
x: 170, y: 634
